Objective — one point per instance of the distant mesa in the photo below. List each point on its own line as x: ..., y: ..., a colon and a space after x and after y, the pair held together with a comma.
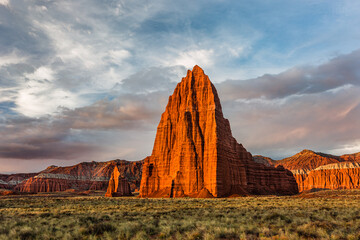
x: 316, y: 170
x: 118, y: 185
x: 93, y: 176
x: 196, y: 155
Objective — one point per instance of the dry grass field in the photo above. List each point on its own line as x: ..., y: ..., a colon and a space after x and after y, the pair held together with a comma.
x: 321, y: 215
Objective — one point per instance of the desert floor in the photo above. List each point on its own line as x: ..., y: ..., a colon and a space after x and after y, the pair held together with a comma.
x: 324, y: 215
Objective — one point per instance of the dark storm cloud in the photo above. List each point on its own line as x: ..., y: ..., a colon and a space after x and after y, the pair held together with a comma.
x: 337, y: 72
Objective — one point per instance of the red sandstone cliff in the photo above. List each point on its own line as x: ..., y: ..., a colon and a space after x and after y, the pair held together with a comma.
x: 83, y: 176
x: 194, y: 150
x: 118, y: 185
x: 315, y: 170
x: 345, y: 175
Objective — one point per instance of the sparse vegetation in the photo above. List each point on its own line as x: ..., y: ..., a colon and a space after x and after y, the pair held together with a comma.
x: 322, y: 215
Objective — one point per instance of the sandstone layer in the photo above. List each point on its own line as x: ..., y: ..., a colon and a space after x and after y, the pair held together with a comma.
x: 82, y: 177
x: 195, y: 153
x: 118, y: 185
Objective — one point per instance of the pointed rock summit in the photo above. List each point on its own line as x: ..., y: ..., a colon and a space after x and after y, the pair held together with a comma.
x: 195, y: 153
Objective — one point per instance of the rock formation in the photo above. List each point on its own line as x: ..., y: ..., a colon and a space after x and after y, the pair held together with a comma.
x: 82, y: 177
x: 118, y: 185
x: 316, y: 170
x: 195, y: 153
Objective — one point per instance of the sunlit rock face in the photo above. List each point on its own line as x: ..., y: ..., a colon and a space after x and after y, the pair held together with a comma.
x: 195, y: 153
x: 118, y: 185
x: 344, y: 175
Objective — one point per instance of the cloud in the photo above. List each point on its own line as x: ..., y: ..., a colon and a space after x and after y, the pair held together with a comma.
x: 4, y: 2
x: 337, y: 72
x: 28, y: 138
x: 11, y: 58
x: 41, y: 97
x: 202, y: 57
x: 125, y: 112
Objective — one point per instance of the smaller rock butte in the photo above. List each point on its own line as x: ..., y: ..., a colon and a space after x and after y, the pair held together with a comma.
x: 196, y: 155
x: 118, y: 185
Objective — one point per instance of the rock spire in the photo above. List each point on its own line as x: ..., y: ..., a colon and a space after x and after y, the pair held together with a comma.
x: 195, y: 153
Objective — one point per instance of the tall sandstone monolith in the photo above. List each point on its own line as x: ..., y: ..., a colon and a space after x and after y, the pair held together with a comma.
x: 195, y: 153
x: 118, y: 185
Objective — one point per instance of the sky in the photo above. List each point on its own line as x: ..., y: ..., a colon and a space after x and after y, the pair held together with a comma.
x: 88, y: 80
